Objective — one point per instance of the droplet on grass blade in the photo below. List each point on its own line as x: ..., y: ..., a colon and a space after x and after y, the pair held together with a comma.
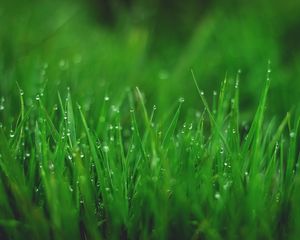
x: 217, y: 195
x: 51, y: 167
x: 105, y: 148
x: 11, y: 134
x: 292, y: 134
x: 221, y: 150
x: 2, y: 104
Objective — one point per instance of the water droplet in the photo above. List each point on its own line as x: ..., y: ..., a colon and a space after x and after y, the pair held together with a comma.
x: 107, y: 189
x: 2, y: 104
x: 105, y: 148
x: 106, y: 98
x: 236, y: 84
x: 21, y: 92
x: 51, y: 166
x: 276, y: 146
x: 292, y: 134
x: 71, y: 189
x: 214, y: 93
x: 115, y: 109
x: 217, y: 195
x: 201, y: 93
x: 37, y: 97
x: 11, y: 134
x: 222, y: 150
x: 181, y: 100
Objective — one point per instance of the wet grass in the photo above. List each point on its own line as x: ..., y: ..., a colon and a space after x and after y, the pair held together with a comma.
x: 121, y: 170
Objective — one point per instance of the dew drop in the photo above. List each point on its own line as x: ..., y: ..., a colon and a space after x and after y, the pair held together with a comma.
x: 292, y: 134
x: 217, y: 195
x: 2, y: 104
x: 222, y: 150
x: 11, y: 134
x: 105, y: 148
x: 51, y: 166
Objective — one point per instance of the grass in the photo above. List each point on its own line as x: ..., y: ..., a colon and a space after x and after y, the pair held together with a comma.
x: 85, y: 155
x: 121, y: 170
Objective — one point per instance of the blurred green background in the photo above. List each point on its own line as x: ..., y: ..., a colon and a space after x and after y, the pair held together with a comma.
x: 100, y: 48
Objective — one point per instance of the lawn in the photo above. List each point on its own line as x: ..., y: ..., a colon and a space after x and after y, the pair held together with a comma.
x: 149, y: 120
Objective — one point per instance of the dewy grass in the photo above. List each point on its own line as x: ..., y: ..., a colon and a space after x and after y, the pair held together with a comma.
x: 131, y: 175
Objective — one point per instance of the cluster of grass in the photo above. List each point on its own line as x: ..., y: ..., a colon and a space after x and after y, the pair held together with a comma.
x: 121, y: 171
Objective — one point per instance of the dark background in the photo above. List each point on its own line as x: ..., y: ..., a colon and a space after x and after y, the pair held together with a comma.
x: 102, y: 47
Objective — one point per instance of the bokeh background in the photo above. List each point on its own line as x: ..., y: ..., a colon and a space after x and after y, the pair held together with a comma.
x: 102, y: 47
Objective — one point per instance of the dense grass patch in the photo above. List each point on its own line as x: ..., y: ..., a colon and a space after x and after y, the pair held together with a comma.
x: 84, y: 154
x: 121, y: 170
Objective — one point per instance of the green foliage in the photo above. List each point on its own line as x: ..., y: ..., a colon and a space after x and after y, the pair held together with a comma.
x: 142, y: 177
x: 85, y: 154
